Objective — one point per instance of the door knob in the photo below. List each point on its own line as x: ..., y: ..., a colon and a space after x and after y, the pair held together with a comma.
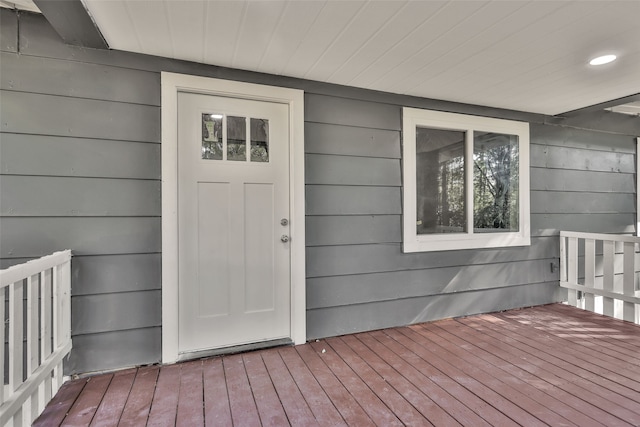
x: 284, y: 238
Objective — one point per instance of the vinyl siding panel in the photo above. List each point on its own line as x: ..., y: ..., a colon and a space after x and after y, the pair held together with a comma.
x: 105, y: 274
x: 78, y: 117
x: 323, y: 138
x: 92, y: 314
x: 87, y: 159
x: 24, y: 154
x: 8, y: 32
x: 362, y: 317
x: 61, y: 196
x: 582, y: 181
x: 33, y: 74
x: 352, y: 200
x: 32, y: 237
x: 337, y: 291
x: 353, y: 229
x: 554, y: 157
x: 115, y: 349
x: 350, y: 170
x: 357, y: 259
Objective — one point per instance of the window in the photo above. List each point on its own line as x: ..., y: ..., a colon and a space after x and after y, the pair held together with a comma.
x: 466, y: 181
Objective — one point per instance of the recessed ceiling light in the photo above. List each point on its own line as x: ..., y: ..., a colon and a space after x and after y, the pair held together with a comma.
x: 601, y: 60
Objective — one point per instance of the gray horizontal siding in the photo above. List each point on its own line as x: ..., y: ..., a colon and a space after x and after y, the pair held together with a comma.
x: 552, y: 224
x: 104, y: 312
x: 582, y: 181
x: 116, y: 349
x: 352, y: 200
x: 553, y: 157
x: 357, y: 259
x: 78, y: 117
x: 580, y: 202
x: 342, y: 320
x: 57, y: 77
x: 22, y: 154
x: 353, y: 230
x: 39, y: 236
x: 567, y: 137
x: 60, y: 196
x: 351, y: 112
x: 8, y: 32
x: 364, y: 288
x: 350, y: 170
x: 322, y: 138
x: 105, y: 274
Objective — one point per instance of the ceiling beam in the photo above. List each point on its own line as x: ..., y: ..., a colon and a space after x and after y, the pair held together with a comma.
x: 72, y: 22
x: 601, y: 106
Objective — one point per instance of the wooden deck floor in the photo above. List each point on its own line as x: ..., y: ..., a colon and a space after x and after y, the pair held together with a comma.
x: 552, y: 365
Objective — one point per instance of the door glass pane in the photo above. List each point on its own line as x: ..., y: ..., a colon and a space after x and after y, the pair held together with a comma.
x: 212, y: 136
x: 495, y: 182
x: 259, y: 140
x: 440, y: 181
x: 236, y: 138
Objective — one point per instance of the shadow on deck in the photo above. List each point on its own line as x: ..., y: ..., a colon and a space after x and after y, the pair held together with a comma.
x: 550, y: 365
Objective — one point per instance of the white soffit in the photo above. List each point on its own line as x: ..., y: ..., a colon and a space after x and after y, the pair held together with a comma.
x: 28, y: 5
x: 522, y: 55
x: 632, y: 108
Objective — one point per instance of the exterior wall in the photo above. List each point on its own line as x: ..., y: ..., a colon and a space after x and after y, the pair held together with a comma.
x: 80, y: 164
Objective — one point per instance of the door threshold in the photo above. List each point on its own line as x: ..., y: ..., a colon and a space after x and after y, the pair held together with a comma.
x: 199, y: 354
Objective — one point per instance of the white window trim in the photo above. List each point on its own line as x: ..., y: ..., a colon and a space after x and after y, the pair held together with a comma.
x: 172, y: 84
x: 412, y: 242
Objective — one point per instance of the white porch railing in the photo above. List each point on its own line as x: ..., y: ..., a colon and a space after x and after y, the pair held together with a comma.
x: 38, y: 296
x: 599, y: 271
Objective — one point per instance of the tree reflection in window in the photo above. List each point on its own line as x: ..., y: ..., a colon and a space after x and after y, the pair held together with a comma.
x: 495, y: 182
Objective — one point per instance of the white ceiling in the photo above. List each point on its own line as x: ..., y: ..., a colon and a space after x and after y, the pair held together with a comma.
x: 522, y: 55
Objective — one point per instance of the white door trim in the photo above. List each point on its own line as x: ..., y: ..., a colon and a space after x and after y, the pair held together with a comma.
x: 172, y: 84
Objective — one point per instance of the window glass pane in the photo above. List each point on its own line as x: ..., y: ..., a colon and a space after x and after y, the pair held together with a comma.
x: 259, y: 140
x: 495, y: 182
x: 440, y: 181
x: 236, y: 138
x: 212, y: 136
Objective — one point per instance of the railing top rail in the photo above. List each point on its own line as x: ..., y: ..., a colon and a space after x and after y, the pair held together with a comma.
x: 601, y: 236
x: 29, y: 268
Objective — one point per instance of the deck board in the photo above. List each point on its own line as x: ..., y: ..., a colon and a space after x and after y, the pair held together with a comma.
x: 136, y: 410
x: 85, y: 407
x: 164, y: 406
x: 552, y: 365
x: 217, y: 411
x: 115, y: 398
x: 57, y: 409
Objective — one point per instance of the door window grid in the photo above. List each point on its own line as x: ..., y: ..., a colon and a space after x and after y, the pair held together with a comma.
x: 229, y: 138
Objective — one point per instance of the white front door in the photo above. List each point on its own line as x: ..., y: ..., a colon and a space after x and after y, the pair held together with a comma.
x: 233, y: 222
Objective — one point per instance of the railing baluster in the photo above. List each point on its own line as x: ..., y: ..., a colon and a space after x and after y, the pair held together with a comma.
x: 628, y: 283
x: 572, y: 269
x: 16, y: 292
x: 45, y: 327
x: 589, y: 273
x: 608, y: 248
x: 563, y: 259
x: 33, y: 283
x: 2, y: 337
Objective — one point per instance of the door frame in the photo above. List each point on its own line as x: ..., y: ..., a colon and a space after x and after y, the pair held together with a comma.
x: 173, y: 83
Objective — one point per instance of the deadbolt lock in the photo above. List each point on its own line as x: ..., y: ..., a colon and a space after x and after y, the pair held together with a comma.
x: 284, y: 221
